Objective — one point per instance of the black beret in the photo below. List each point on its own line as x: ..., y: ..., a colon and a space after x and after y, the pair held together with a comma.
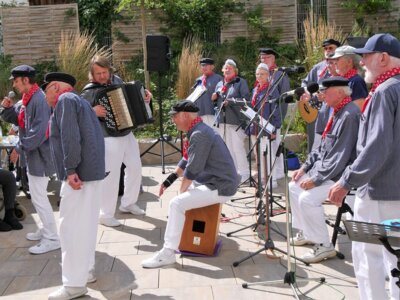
x: 330, y: 42
x: 267, y: 51
x: 186, y: 105
x: 334, y: 81
x: 58, y: 76
x: 206, y: 61
x: 22, y: 71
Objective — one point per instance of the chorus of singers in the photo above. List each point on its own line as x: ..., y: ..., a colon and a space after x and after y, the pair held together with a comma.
x: 353, y: 144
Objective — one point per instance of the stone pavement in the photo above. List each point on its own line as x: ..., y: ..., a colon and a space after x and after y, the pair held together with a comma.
x: 120, y: 250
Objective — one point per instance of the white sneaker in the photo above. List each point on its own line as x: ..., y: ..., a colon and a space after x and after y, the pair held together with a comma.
x: 319, y: 253
x: 162, y: 258
x: 110, y: 222
x: 91, y: 277
x: 45, y: 246
x: 133, y: 209
x: 300, y: 240
x: 35, y: 236
x: 68, y: 292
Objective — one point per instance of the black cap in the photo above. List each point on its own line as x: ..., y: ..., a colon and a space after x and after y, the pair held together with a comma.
x: 58, y: 76
x: 267, y: 51
x: 330, y: 42
x: 334, y: 81
x: 206, y: 61
x: 186, y: 105
x: 381, y: 42
x: 22, y: 71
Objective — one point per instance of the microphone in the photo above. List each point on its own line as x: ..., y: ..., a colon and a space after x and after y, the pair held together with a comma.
x: 311, y: 88
x: 198, y: 81
x: 291, y: 70
x: 11, y: 95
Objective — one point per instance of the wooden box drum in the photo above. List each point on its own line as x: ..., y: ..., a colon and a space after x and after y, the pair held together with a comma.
x: 200, y: 232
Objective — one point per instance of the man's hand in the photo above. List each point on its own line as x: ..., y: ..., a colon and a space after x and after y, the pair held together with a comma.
x: 305, y: 97
x: 147, y: 96
x: 74, y: 181
x: 162, y: 190
x: 214, y: 97
x: 307, y: 184
x: 337, y: 194
x: 14, y: 156
x: 7, y: 102
x: 100, y: 111
x: 297, y: 174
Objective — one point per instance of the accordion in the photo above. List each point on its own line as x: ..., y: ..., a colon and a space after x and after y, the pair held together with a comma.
x: 125, y: 107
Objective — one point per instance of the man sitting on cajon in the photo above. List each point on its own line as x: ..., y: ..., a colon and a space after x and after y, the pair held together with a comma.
x: 209, y: 177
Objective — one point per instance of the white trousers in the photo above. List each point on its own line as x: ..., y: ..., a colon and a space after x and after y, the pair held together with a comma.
x: 79, y: 213
x: 38, y: 191
x: 278, y: 172
x: 307, y: 210
x: 373, y: 262
x: 118, y: 150
x: 195, y: 197
x: 234, y: 140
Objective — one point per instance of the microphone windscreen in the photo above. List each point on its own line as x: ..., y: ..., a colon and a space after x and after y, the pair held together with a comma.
x: 301, y: 69
x: 299, y: 91
x: 289, y: 99
x: 312, y: 87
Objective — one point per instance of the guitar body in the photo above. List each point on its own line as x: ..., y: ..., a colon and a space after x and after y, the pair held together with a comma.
x: 309, y: 109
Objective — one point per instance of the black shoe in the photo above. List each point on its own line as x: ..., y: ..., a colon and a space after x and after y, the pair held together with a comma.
x: 4, y: 226
x: 14, y: 223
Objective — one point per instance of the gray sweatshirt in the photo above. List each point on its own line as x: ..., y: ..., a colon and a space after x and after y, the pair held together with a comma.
x: 376, y: 170
x: 209, y: 161
x: 337, y: 150
x: 76, y: 140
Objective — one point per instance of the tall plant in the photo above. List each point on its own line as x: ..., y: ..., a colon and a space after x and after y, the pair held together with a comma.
x: 188, y: 67
x: 316, y: 30
x: 75, y: 52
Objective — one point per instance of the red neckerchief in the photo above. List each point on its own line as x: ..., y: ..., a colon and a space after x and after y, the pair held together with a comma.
x: 186, y: 144
x: 323, y: 72
x: 381, y: 79
x: 351, y: 73
x: 26, y: 98
x: 342, y: 104
x: 224, y: 88
x: 258, y: 90
x: 204, y: 80
x: 55, y: 103
x: 272, y: 69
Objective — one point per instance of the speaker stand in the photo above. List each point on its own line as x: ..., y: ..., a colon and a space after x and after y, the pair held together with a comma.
x: 163, y: 138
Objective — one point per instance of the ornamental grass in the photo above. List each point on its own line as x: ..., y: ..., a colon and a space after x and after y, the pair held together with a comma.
x: 75, y: 52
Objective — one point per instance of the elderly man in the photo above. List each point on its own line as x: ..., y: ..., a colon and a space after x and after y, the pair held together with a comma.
x: 318, y: 73
x: 32, y: 115
x: 120, y: 148
x: 209, y: 80
x: 230, y: 117
x: 209, y: 177
x: 324, y: 165
x: 347, y: 65
x: 376, y: 171
x: 77, y: 148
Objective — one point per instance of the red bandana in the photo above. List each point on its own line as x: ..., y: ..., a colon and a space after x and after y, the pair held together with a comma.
x: 224, y: 88
x: 26, y: 98
x: 342, y: 104
x: 323, y: 72
x: 351, y: 73
x: 57, y: 96
x: 258, y: 90
x: 186, y: 144
x: 381, y: 79
x: 204, y: 80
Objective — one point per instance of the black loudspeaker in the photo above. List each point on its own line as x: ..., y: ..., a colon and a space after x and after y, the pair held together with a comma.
x: 158, y: 53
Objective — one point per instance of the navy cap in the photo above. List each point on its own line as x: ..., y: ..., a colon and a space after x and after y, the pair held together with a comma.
x: 330, y: 42
x: 186, y: 105
x: 333, y: 81
x: 381, y: 42
x: 22, y: 71
x: 206, y: 61
x: 58, y: 76
x: 267, y: 51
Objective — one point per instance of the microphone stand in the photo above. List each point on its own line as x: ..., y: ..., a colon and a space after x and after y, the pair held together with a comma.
x: 289, y: 277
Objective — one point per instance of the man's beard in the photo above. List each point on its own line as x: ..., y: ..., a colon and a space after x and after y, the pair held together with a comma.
x: 370, y: 76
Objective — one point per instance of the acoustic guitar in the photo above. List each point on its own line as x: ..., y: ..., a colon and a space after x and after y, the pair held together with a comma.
x: 309, y: 109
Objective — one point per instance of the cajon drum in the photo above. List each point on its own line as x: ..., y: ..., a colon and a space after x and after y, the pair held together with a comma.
x: 200, y: 232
